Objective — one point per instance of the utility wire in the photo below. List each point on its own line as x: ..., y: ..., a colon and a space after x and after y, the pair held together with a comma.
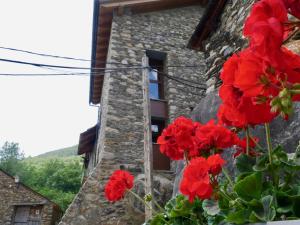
x: 181, y: 82
x: 43, y: 54
x: 93, y: 74
x: 179, y: 78
x: 80, y: 59
x: 65, y: 67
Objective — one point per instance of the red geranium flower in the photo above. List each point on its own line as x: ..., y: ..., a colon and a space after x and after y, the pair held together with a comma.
x: 242, y: 147
x: 265, y: 26
x: 118, y: 183
x: 179, y: 137
x: 214, y: 136
x: 294, y: 7
x: 243, y: 81
x: 195, y: 181
x: 215, y: 163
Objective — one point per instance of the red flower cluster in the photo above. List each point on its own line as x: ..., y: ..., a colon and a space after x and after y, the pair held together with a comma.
x: 214, y: 136
x: 118, y: 183
x: 255, y: 76
x: 179, y: 137
x: 293, y: 7
x: 184, y: 135
x: 196, y: 177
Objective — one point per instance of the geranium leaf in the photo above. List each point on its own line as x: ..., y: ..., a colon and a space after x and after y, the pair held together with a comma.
x: 238, y: 217
x: 262, y: 163
x: 285, y: 209
x: 158, y: 220
x: 244, y: 163
x: 211, y: 207
x: 296, y: 206
x: 250, y: 187
x: 269, y: 209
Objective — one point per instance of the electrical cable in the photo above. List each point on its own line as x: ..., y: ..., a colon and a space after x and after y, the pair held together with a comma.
x: 64, y: 67
x: 181, y: 82
x: 85, y: 60
x: 179, y: 78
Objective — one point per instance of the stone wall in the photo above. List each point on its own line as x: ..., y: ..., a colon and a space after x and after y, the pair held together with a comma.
x: 226, y: 39
x: 120, y: 141
x: 12, y: 194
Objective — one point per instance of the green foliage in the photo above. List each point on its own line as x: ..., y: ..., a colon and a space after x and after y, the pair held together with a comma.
x: 54, y: 177
x: 10, y: 156
x: 262, y: 191
x: 179, y: 211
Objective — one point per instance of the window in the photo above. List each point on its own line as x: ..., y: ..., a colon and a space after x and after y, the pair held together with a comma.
x: 156, y: 62
x: 160, y: 161
x: 157, y: 127
x: 25, y: 215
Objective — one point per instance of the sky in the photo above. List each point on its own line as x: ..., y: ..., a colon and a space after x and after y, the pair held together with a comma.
x: 45, y: 113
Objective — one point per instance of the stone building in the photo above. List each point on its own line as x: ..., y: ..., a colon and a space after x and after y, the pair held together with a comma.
x: 186, y: 43
x: 21, y: 205
x: 125, y: 33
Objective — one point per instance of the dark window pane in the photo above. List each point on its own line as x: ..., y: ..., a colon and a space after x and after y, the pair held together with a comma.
x: 153, y: 91
x: 157, y: 127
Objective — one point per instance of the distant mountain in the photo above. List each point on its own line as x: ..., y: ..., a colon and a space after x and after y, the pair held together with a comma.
x: 66, y: 154
x: 60, y: 153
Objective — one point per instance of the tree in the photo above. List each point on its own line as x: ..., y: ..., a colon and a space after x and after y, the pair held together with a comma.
x: 10, y: 156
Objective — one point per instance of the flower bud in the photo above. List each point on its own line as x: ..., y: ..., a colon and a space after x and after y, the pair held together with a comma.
x: 148, y: 198
x: 284, y: 93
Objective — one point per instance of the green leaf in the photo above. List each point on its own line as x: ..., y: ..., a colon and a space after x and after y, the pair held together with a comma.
x: 211, y: 207
x: 250, y: 187
x: 253, y: 218
x: 244, y: 163
x: 285, y: 209
x: 238, y: 217
x: 269, y: 209
x: 158, y: 219
x: 262, y: 163
x: 296, y: 206
x: 279, y: 155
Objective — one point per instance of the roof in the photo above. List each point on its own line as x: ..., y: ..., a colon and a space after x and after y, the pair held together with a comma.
x: 102, y: 20
x: 33, y: 191
x: 87, y: 140
x: 207, y: 24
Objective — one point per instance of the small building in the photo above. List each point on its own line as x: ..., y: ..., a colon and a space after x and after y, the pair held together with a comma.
x: 20, y: 205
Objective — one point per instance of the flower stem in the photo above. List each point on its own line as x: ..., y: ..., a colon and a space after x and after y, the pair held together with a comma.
x: 228, y: 177
x: 247, y: 141
x: 269, y: 144
x: 186, y: 156
x: 141, y: 200
x: 256, y: 143
x: 158, y: 206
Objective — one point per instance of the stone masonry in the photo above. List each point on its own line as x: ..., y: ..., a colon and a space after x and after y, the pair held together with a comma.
x: 226, y: 39
x: 120, y: 140
x: 16, y: 194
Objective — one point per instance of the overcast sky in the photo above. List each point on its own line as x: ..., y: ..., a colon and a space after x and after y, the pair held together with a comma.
x: 45, y: 113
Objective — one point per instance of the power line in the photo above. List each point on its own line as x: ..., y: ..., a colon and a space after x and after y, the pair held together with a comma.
x: 43, y: 54
x: 181, y: 82
x: 80, y: 59
x: 65, y: 67
x: 178, y: 78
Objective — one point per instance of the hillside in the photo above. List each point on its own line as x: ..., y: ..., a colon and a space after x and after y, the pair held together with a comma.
x: 60, y: 153
x: 67, y: 154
